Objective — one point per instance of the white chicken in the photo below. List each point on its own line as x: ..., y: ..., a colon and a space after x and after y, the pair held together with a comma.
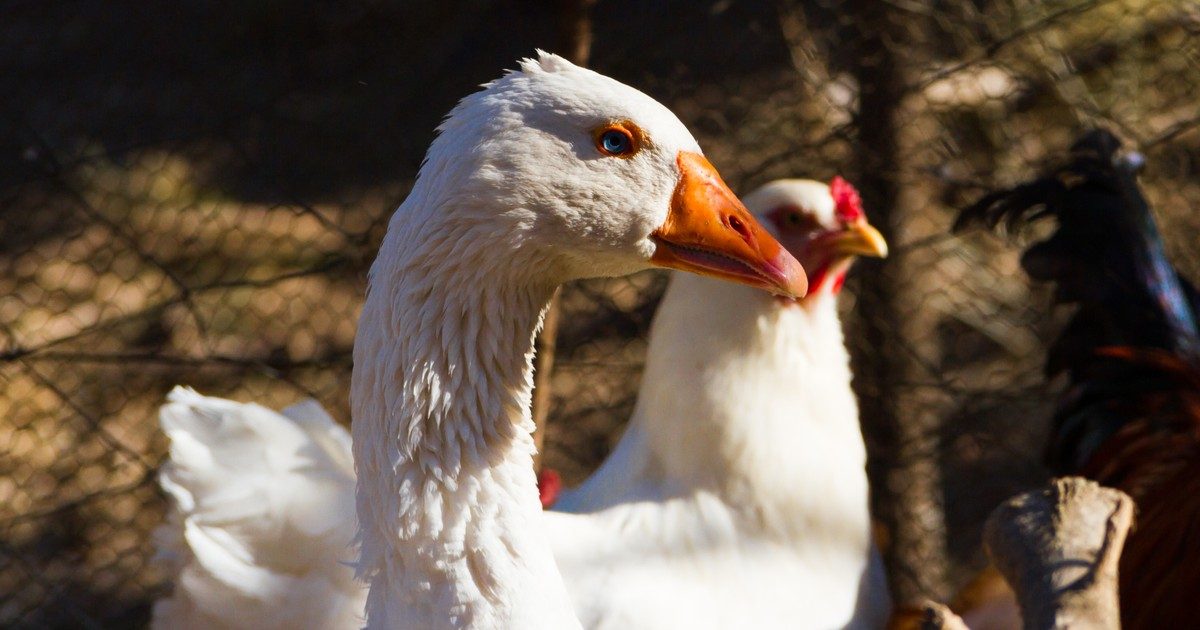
x: 737, y: 497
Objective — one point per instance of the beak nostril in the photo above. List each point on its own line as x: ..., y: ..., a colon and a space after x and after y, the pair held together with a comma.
x: 737, y: 225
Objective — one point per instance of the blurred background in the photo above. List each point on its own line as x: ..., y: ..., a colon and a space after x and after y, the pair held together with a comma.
x: 191, y: 192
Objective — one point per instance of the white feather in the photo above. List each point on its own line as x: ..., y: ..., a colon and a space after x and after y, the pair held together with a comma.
x: 261, y: 517
x: 738, y: 495
x: 736, y: 498
x: 511, y: 201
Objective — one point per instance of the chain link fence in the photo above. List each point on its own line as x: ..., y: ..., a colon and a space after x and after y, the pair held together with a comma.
x: 191, y: 193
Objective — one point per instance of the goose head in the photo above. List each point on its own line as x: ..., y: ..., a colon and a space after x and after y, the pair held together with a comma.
x: 822, y: 225
x: 586, y: 177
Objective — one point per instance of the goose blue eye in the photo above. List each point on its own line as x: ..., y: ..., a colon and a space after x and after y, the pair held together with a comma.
x: 615, y: 141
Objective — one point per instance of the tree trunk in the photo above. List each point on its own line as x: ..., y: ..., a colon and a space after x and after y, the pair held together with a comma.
x: 901, y: 431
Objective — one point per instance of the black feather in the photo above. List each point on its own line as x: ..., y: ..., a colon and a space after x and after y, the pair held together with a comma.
x: 1107, y: 258
x: 1106, y: 255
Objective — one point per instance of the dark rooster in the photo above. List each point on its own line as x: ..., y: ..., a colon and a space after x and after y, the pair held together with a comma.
x: 1130, y: 417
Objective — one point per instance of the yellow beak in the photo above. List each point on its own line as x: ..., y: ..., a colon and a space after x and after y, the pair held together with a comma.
x: 859, y: 239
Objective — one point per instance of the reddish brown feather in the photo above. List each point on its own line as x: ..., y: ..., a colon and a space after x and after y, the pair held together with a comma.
x: 1160, y: 568
x: 1155, y: 458
x: 1131, y: 417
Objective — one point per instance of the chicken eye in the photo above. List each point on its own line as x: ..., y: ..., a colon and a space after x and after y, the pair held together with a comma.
x: 615, y: 141
x: 793, y: 219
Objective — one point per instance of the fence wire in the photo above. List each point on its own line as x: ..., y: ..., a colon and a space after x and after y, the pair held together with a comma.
x: 191, y: 194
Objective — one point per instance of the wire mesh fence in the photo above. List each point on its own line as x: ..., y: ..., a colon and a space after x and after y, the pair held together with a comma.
x: 192, y: 194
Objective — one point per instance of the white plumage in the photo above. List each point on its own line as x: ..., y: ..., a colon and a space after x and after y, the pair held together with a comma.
x: 262, y: 517
x: 517, y: 194
x: 737, y: 497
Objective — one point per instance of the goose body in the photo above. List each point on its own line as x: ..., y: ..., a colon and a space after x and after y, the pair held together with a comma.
x: 261, y: 518
x: 738, y: 495
x: 549, y: 174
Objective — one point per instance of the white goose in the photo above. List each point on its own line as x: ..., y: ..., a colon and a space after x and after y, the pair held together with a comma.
x: 738, y: 495
x: 548, y: 174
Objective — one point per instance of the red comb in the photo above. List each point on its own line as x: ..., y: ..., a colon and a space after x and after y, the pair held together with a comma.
x: 846, y: 200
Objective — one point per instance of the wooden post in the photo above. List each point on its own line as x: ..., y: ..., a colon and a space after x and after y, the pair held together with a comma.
x: 935, y: 616
x: 1059, y: 548
x: 576, y: 20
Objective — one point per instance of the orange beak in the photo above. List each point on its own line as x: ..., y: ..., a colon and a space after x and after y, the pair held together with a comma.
x: 708, y: 231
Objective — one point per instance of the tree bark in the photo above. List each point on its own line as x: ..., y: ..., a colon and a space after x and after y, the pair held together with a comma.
x: 901, y: 431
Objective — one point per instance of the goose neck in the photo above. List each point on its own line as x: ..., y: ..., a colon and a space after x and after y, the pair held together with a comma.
x: 447, y: 501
